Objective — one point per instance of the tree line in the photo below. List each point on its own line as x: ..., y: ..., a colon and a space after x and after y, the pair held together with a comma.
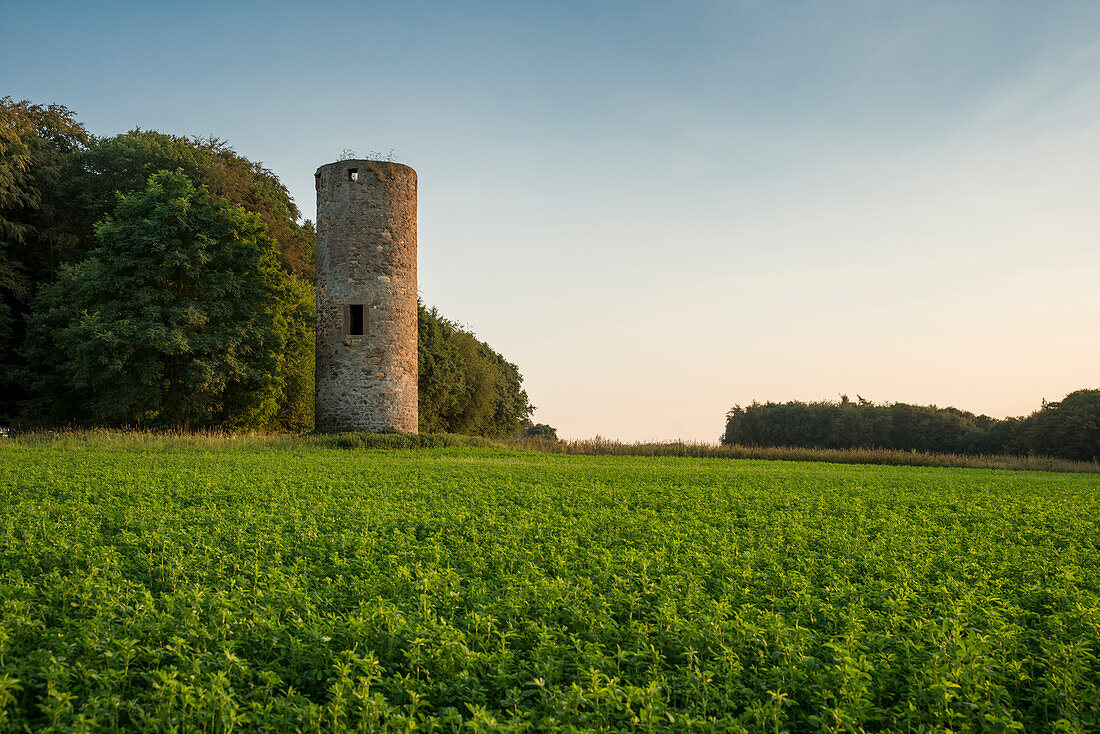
x: 1066, y: 429
x: 157, y: 280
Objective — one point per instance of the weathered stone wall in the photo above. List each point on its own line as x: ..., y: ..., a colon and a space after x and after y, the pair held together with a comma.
x: 366, y: 254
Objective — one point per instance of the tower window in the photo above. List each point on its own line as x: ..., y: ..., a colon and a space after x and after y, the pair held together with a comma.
x: 353, y: 174
x: 356, y: 321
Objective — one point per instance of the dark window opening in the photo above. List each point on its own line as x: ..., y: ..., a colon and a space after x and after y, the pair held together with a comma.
x: 317, y: 176
x: 353, y: 174
x: 355, y: 320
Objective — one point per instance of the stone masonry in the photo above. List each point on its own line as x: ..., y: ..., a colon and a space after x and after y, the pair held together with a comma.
x: 366, y: 282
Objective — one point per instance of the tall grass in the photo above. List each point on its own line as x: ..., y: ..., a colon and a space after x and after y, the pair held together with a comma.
x: 600, y: 446
x: 228, y: 441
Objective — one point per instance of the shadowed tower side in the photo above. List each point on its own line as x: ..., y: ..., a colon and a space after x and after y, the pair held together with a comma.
x: 366, y: 296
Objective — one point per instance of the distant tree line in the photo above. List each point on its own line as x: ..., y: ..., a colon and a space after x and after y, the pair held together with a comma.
x: 1067, y: 429
x: 155, y: 280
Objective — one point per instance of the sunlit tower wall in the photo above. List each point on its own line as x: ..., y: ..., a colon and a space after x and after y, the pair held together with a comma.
x: 366, y: 296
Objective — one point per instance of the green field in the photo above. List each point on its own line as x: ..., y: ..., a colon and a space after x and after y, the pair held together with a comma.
x: 214, y: 586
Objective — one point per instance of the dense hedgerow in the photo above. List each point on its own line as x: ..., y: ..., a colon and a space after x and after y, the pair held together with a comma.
x: 1068, y: 429
x: 190, y: 585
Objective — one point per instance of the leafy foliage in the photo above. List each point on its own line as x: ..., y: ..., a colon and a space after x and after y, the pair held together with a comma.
x: 465, y: 386
x: 1069, y: 433
x: 172, y: 318
x: 539, y: 430
x: 39, y: 154
x: 862, y: 424
x: 56, y: 183
x: 195, y: 586
x: 124, y: 163
x: 1068, y: 429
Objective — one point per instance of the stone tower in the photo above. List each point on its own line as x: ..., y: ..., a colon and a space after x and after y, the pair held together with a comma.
x: 366, y: 296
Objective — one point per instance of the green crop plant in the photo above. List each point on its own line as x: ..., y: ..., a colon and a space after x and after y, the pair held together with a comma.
x: 223, y: 584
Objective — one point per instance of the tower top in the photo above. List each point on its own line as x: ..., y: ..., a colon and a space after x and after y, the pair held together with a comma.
x: 367, y: 165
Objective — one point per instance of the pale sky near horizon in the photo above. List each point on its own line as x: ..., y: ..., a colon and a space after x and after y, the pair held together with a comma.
x: 657, y: 210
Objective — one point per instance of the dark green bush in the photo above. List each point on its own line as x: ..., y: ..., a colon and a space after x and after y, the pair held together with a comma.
x: 465, y: 386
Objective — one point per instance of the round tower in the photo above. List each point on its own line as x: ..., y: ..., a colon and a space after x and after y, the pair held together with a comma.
x: 366, y: 296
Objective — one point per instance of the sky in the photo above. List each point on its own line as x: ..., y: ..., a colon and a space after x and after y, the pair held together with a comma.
x: 658, y: 210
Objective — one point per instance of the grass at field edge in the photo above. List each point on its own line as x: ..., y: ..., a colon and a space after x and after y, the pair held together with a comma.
x: 101, y: 438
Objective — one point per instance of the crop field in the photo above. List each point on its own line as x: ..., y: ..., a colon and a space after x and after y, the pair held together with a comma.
x: 201, y: 586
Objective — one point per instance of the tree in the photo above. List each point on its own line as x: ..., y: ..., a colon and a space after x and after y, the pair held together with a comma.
x: 864, y: 424
x: 123, y: 163
x: 442, y: 380
x: 295, y: 322
x: 539, y: 430
x: 172, y: 320
x: 83, y: 193
x: 465, y: 386
x: 1067, y: 429
x: 39, y: 149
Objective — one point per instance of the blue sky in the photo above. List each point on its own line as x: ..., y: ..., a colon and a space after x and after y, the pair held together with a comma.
x: 661, y: 209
